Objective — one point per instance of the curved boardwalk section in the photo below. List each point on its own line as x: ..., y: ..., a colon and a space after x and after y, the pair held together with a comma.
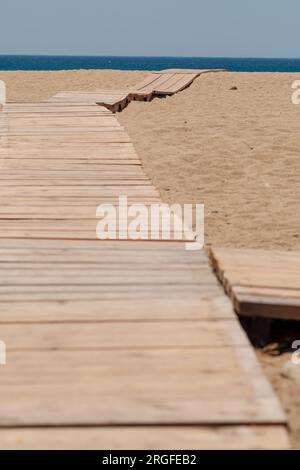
x: 110, y: 344
x: 161, y: 84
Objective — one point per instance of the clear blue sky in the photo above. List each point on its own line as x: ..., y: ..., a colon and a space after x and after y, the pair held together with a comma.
x: 224, y: 28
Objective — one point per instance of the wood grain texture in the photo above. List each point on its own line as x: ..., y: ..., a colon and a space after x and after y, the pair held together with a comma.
x: 146, y: 437
x: 261, y: 283
x: 159, y: 386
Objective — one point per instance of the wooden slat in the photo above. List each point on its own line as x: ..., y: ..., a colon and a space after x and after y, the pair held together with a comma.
x: 261, y: 283
x: 122, y: 335
x: 145, y: 437
x: 113, y: 305
x: 189, y: 71
x: 79, y: 191
x: 159, y: 386
x: 175, y: 84
x: 113, y: 100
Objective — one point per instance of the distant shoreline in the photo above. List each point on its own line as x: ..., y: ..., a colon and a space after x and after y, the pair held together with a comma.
x: 135, y: 63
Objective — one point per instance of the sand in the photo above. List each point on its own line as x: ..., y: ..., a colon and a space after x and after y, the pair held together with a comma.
x: 230, y: 141
x: 236, y: 151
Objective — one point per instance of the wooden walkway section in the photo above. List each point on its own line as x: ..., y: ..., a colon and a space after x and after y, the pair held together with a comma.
x: 261, y: 283
x: 110, y: 344
x: 163, y: 83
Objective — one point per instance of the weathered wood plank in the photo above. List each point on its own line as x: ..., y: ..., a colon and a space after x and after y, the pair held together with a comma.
x: 146, y: 437
x: 261, y: 283
x: 159, y: 386
x: 122, y: 335
x: 143, y: 305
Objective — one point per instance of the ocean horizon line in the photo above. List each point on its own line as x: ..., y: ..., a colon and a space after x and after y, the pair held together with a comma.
x: 153, y: 56
x: 28, y: 62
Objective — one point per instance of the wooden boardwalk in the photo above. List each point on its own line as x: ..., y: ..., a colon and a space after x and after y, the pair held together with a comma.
x: 261, y: 283
x: 162, y: 83
x: 110, y: 344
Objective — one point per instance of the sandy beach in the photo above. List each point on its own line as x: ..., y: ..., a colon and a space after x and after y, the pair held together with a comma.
x: 230, y: 141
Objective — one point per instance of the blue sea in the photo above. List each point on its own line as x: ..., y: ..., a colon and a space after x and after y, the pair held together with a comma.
x: 34, y: 62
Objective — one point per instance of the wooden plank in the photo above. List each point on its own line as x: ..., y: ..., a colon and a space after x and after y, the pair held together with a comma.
x: 93, y: 201
x: 31, y: 165
x: 86, y: 182
x: 164, y: 303
x: 149, y: 86
x: 112, y: 100
x: 95, y: 164
x: 177, y: 84
x: 64, y: 234
x: 189, y: 71
x: 56, y: 133
x: 96, y: 246
x: 85, y: 174
x: 38, y: 278
x: 174, y: 83
x: 121, y: 335
x: 159, y: 386
x: 79, y: 191
x: 261, y: 283
x: 100, y: 253
x: 146, y: 437
x: 86, y: 138
x: 74, y: 291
